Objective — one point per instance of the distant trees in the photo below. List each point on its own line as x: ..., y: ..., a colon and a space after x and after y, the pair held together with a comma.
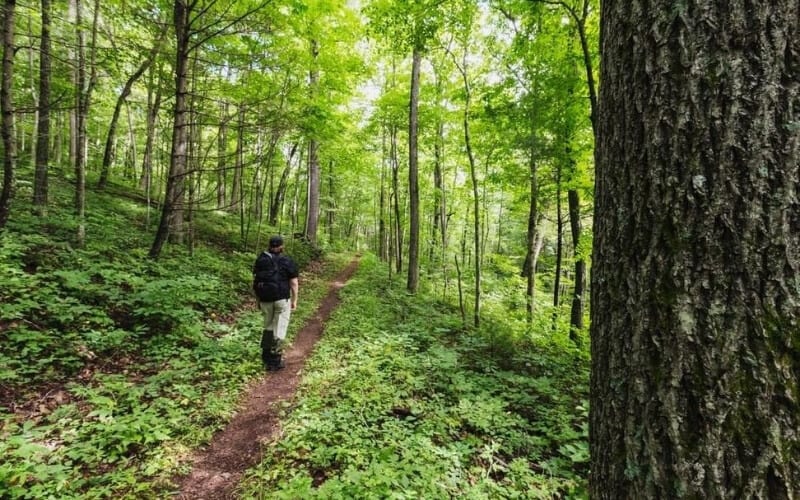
x: 695, y: 304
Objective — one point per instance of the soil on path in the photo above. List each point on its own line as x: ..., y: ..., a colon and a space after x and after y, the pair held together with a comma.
x: 217, y: 469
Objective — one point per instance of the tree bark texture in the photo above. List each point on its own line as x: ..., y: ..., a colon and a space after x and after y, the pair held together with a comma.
x: 7, y: 111
x: 413, y: 171
x: 81, y: 116
x: 180, y: 131
x: 695, y: 320
x: 40, y: 182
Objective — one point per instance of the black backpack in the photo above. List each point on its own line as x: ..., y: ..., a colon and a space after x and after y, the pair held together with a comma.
x: 267, y: 281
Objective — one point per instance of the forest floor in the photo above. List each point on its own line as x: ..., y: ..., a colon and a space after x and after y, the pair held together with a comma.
x: 217, y: 468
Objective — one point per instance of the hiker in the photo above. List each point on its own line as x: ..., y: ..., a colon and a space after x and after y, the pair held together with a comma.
x: 276, y: 285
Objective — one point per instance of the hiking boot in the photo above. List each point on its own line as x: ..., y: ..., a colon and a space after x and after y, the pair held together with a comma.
x: 275, y: 364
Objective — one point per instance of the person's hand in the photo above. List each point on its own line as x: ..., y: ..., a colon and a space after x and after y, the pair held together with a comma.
x: 294, y: 305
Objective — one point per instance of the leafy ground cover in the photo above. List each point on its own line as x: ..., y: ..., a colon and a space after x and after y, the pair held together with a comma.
x: 400, y: 401
x: 114, y: 366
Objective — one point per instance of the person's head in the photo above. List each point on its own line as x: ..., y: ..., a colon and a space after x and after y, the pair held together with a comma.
x: 276, y: 244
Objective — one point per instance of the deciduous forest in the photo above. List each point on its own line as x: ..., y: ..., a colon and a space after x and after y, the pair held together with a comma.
x: 547, y: 248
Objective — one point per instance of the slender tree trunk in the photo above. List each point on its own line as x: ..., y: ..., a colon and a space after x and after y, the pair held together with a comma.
x: 236, y: 189
x: 296, y: 195
x: 439, y: 230
x: 383, y: 244
x: 222, y: 152
x: 280, y: 193
x: 312, y: 215
x: 130, y: 164
x: 108, y: 152
x: 398, y: 225
x: 180, y: 132
x: 576, y: 312
x: 695, y: 317
x: 81, y: 111
x: 237, y: 198
x: 533, y: 217
x: 476, y: 219
x: 40, y: 182
x: 153, y: 107
x: 332, y: 203
x: 559, y: 248
x: 7, y: 111
x: 34, y: 98
x: 413, y: 182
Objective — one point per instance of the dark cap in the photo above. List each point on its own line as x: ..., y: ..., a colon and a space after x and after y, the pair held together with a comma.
x: 275, y: 242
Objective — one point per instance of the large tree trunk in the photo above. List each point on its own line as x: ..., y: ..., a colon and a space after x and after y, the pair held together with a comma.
x: 413, y: 182
x: 7, y: 111
x: 40, y: 183
x: 312, y: 215
x: 695, y: 319
x: 180, y: 131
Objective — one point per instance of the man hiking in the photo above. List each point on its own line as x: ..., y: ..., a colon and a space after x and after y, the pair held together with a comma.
x: 276, y: 285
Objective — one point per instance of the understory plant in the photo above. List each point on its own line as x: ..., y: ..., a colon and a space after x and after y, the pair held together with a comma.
x: 402, y: 401
x: 115, y: 366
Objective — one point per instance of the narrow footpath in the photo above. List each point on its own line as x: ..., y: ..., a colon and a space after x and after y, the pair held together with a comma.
x: 217, y: 469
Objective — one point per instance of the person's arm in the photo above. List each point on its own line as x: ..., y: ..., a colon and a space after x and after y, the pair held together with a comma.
x: 294, y: 287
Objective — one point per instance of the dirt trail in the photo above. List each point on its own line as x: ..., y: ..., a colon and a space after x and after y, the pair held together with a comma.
x: 216, y: 469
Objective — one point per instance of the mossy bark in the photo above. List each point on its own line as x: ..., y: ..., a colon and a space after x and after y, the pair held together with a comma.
x: 696, y: 264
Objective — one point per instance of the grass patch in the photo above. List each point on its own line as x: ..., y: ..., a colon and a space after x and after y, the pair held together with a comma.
x: 115, y: 366
x: 400, y: 401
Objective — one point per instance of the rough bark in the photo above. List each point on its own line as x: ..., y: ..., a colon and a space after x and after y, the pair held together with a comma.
x: 81, y: 115
x: 40, y: 182
x: 695, y: 320
x: 413, y: 171
x: 180, y: 130
x: 7, y: 111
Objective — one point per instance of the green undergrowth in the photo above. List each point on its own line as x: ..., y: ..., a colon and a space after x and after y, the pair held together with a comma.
x: 114, y: 366
x: 401, y: 401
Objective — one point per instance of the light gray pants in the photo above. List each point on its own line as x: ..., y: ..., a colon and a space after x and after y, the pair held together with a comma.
x: 276, y: 317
